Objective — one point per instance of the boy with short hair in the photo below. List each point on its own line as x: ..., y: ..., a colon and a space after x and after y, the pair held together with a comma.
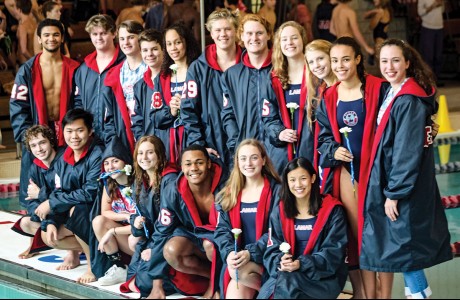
x: 76, y: 189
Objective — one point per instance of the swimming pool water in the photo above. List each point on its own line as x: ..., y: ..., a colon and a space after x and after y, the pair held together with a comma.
x: 13, y: 291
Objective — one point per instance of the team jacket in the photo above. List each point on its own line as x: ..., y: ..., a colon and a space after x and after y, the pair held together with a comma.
x: 202, y: 105
x: 144, y: 97
x: 43, y: 177
x: 277, y: 117
x: 28, y: 103
x: 330, y: 138
x: 323, y: 271
x: 178, y: 212
x: 149, y: 207
x: 402, y: 168
x: 117, y: 119
x: 88, y: 86
x: 76, y: 182
x: 162, y: 118
x: 224, y: 239
x: 244, y: 89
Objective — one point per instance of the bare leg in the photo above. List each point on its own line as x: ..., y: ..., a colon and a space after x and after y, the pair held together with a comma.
x: 29, y: 227
x: 185, y: 257
x: 385, y: 285
x: 26, y: 253
x: 66, y: 241
x: 88, y: 276
x: 370, y: 284
x: 350, y: 202
x: 242, y: 292
x: 101, y: 225
x: 249, y: 281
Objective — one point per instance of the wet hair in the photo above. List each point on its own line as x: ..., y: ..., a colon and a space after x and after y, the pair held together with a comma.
x: 228, y: 196
x: 140, y: 175
x: 279, y: 61
x: 131, y: 26
x: 222, y: 13
x: 418, y: 68
x: 151, y: 35
x: 34, y: 131
x: 289, y: 200
x: 77, y: 114
x: 351, y: 42
x: 196, y: 147
x: 256, y: 18
x: 192, y: 48
x: 50, y: 22
x: 24, y: 5
x: 48, y: 6
x: 313, y: 82
x: 101, y: 20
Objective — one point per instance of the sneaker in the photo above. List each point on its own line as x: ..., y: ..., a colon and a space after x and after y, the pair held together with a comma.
x: 114, y: 275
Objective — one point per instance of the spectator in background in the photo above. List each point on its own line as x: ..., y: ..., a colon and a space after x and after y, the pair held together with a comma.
x: 135, y: 12
x: 301, y: 14
x: 344, y: 22
x: 157, y: 16
x: 268, y: 12
x: 3, y: 43
x: 322, y: 20
x: 380, y: 17
x: 187, y: 13
x: 12, y: 16
x: 431, y: 33
x: 234, y: 5
x: 26, y: 31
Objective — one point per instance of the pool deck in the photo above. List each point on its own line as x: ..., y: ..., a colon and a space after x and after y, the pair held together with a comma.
x: 40, y: 270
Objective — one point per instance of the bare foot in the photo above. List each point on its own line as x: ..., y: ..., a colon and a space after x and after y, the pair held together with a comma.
x: 87, y: 277
x: 26, y: 254
x: 71, y: 261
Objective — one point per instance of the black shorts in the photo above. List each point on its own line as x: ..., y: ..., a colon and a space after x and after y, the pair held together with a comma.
x: 79, y: 222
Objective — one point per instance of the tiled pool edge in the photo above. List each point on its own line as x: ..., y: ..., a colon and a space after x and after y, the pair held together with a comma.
x: 52, y: 282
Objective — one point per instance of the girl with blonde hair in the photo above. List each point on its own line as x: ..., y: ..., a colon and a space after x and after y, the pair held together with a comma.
x: 245, y: 203
x: 284, y: 108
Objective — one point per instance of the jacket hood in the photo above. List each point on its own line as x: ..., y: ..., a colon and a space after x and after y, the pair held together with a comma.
x: 411, y: 87
x: 117, y: 149
x: 247, y: 62
x: 210, y: 56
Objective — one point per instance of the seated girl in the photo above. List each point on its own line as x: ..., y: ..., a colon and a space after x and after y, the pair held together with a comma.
x: 112, y: 227
x: 305, y: 255
x: 152, y: 174
x: 245, y: 203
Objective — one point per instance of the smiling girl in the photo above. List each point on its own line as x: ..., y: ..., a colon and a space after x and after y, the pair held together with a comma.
x: 315, y: 228
x: 181, y: 49
x: 245, y: 202
x: 405, y: 228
